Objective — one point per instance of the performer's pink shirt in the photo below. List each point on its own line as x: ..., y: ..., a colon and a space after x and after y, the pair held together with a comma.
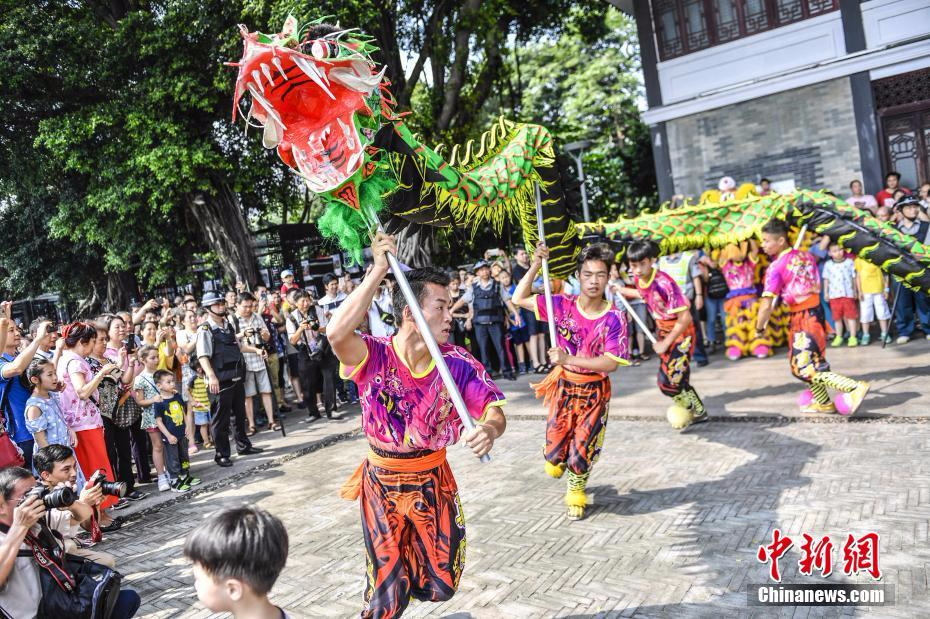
x: 404, y: 412
x: 739, y: 275
x: 587, y: 335
x: 662, y: 296
x: 794, y: 276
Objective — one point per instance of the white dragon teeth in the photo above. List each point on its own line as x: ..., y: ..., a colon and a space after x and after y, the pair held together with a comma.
x: 344, y: 127
x: 350, y: 168
x: 267, y: 71
x: 258, y: 81
x: 277, y: 63
x: 310, y: 71
x: 269, y: 109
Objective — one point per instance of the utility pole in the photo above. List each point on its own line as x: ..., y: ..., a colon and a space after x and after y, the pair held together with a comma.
x: 571, y: 149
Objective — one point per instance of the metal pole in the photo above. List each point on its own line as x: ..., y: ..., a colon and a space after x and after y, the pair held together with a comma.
x: 636, y: 317
x: 427, y: 335
x: 547, y: 287
x: 894, y: 306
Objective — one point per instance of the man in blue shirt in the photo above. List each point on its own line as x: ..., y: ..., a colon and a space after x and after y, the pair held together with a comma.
x: 13, y: 394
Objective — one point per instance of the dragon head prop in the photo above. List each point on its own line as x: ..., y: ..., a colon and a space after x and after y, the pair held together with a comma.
x: 319, y: 100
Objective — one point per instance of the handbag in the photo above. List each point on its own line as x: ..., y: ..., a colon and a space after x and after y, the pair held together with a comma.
x: 717, y: 285
x: 127, y: 410
x: 72, y: 586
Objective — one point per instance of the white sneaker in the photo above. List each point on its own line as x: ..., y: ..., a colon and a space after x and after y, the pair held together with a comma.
x: 903, y: 340
x: 164, y: 485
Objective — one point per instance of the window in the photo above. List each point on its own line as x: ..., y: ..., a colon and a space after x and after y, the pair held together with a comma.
x: 907, y: 146
x: 685, y: 26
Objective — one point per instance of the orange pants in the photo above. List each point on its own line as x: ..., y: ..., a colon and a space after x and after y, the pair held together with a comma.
x: 414, y: 532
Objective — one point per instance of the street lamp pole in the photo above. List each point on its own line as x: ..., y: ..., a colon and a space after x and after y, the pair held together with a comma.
x: 580, y: 146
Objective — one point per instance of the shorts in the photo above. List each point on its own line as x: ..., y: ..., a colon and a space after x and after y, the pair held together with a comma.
x: 874, y: 306
x: 640, y: 309
x: 844, y: 308
x: 529, y: 322
x: 257, y: 382
x: 201, y: 418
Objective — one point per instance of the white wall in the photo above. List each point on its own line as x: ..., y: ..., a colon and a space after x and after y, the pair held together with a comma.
x: 766, y: 54
x: 889, y: 21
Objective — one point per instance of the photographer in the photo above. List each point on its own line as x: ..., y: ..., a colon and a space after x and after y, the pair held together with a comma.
x: 303, y: 331
x: 57, y: 467
x: 252, y: 335
x: 22, y: 521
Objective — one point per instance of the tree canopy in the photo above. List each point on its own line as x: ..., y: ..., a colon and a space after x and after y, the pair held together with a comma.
x: 118, y: 159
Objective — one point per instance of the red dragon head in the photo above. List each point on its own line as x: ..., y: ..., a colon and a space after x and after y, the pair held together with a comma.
x: 319, y: 99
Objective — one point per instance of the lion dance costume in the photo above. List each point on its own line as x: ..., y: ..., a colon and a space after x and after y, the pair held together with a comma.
x: 738, y: 264
x: 578, y: 399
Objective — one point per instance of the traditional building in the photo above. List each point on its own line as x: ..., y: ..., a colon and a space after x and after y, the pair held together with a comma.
x: 810, y: 92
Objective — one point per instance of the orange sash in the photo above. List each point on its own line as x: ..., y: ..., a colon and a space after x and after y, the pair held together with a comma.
x: 548, y: 389
x: 352, y: 487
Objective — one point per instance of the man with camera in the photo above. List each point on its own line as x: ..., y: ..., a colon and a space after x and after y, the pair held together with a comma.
x: 220, y: 356
x: 24, y: 536
x: 303, y: 331
x: 252, y: 335
x: 70, y: 514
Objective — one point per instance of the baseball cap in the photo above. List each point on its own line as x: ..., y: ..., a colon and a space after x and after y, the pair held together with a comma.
x: 287, y: 273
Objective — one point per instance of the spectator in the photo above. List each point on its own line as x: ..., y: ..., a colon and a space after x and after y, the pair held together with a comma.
x: 145, y: 392
x: 200, y: 403
x: 46, y: 349
x: 885, y: 197
x: 381, y: 314
x: 238, y: 554
x: 861, y: 200
x: 324, y: 309
x: 909, y: 301
x: 12, y: 390
x: 219, y: 353
x: 291, y: 355
x: 330, y: 301
x: 170, y: 420
x: 765, y: 187
x: 924, y: 195
x: 230, y: 296
x: 303, y: 330
x: 873, y: 300
x: 161, y: 337
x: 269, y: 311
x: 287, y: 282
x: 517, y: 335
x: 79, y: 397
x: 520, y: 265
x: 488, y: 299
x: 461, y: 318
x: 20, y: 587
x: 620, y: 278
x: 44, y: 418
x: 252, y: 335
x: 57, y: 466
x: 841, y: 288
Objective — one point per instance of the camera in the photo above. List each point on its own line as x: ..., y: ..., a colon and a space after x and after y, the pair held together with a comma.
x: 313, y: 325
x: 109, y: 488
x: 62, y: 497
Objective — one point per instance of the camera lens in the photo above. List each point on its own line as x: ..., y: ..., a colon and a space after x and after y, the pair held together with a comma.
x: 59, y: 497
x: 113, y: 488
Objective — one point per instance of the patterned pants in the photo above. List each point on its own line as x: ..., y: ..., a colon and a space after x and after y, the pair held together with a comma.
x: 576, y: 425
x: 741, y: 315
x: 675, y: 363
x: 806, y: 353
x: 414, y: 533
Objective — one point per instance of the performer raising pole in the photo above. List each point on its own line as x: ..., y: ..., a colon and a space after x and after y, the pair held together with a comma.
x: 412, y: 518
x: 590, y: 342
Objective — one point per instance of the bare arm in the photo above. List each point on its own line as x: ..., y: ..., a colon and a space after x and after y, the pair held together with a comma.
x: 765, y: 312
x: 603, y: 363
x: 348, y: 346
x: 482, y: 438
x: 85, y: 389
x: 681, y: 324
x: 25, y: 516
x: 18, y: 365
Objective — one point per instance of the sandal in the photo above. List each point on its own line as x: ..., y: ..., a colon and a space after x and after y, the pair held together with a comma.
x: 540, y: 369
x: 275, y: 427
x: 251, y: 431
x: 645, y: 357
x: 636, y: 360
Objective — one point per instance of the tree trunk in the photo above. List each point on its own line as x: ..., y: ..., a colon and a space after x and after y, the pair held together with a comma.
x: 464, y: 27
x: 222, y: 225
x: 121, y: 289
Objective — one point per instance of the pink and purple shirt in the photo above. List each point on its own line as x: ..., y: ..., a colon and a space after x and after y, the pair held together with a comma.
x: 79, y: 414
x: 662, y: 296
x: 587, y: 335
x: 404, y: 412
x: 794, y: 276
x: 740, y: 277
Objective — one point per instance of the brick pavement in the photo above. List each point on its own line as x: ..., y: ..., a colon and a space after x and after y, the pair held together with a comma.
x: 676, y: 520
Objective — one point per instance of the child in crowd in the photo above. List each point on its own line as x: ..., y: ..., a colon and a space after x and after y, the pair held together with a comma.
x: 841, y: 289
x: 169, y: 418
x: 200, y: 403
x: 238, y: 555
x: 145, y: 391
x: 873, y: 300
x: 44, y: 419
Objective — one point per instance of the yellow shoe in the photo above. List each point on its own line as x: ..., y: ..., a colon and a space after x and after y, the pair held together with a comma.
x: 855, y: 397
x: 817, y: 407
x: 555, y: 470
x: 576, y: 501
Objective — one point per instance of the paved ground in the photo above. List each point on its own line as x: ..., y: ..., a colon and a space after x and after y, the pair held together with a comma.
x: 676, y: 521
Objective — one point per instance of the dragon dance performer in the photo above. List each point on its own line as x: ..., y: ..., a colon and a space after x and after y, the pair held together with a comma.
x: 793, y: 274
x: 412, y: 518
x: 674, y: 330
x: 592, y: 341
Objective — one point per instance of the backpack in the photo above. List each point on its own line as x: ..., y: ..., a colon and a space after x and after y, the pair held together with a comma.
x: 717, y: 285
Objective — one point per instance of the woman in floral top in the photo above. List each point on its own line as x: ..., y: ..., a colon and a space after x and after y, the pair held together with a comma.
x: 78, y: 399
